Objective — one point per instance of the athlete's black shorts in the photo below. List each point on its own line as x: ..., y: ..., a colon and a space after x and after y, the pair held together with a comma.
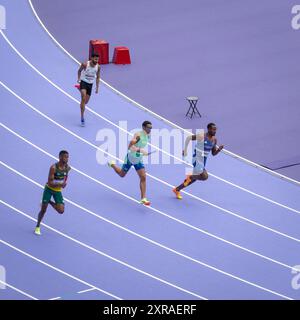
x: 87, y: 86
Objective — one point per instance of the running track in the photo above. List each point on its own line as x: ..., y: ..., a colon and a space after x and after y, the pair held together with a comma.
x: 235, y: 237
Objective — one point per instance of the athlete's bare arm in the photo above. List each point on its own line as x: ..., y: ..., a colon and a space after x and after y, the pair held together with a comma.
x: 82, y: 67
x: 132, y: 146
x: 198, y: 137
x: 51, y: 178
x: 216, y: 149
x: 98, y: 79
x: 66, y: 178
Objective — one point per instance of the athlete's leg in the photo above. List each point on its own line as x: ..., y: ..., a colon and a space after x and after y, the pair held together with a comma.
x: 118, y: 170
x: 59, y: 204
x: 41, y: 214
x: 47, y: 194
x: 142, y: 175
x: 121, y: 171
x: 191, y: 179
x: 187, y: 182
x: 59, y: 207
x: 83, y: 102
x: 87, y: 99
x: 203, y: 176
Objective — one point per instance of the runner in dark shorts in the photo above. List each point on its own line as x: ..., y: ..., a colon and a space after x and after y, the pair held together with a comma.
x: 86, y: 86
x: 87, y: 73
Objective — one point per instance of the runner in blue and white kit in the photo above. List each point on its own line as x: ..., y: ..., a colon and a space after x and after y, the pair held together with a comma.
x: 87, y: 73
x: 205, y: 144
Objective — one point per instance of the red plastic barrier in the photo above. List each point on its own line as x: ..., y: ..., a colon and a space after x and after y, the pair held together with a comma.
x: 100, y: 47
x: 121, y: 55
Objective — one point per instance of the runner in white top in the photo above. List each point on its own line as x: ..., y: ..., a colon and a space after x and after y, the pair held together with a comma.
x: 87, y: 73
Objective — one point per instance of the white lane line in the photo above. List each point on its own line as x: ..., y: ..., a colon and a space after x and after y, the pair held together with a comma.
x: 101, y: 253
x: 87, y: 290
x: 128, y: 197
x: 54, y: 268
x: 169, y: 249
x: 155, y: 147
x: 236, y: 156
x: 18, y: 290
x: 105, y: 152
x: 79, y: 292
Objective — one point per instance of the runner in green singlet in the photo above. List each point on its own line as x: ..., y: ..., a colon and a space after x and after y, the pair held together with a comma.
x: 134, y: 158
x: 57, y: 180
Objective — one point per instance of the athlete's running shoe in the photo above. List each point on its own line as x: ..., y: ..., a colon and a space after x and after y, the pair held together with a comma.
x: 37, y: 231
x: 110, y: 163
x: 145, y: 202
x: 177, y: 193
x: 82, y: 122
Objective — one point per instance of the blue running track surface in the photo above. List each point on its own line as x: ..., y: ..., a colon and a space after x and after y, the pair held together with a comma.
x: 235, y: 236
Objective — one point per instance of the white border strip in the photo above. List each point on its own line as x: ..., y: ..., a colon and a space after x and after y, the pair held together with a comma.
x: 276, y: 174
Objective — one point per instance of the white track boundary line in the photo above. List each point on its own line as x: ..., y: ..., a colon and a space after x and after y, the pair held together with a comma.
x: 101, y: 253
x: 152, y: 208
x: 121, y: 227
x: 86, y: 290
x: 256, y: 165
x: 155, y: 147
x: 145, y: 273
x: 51, y: 266
x: 79, y: 292
x: 18, y: 290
